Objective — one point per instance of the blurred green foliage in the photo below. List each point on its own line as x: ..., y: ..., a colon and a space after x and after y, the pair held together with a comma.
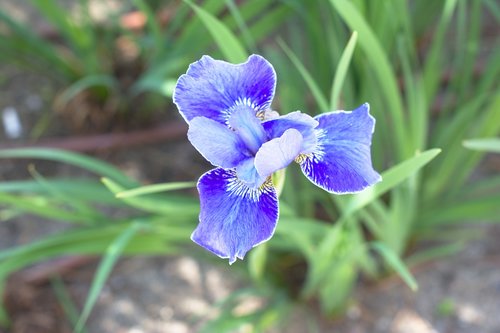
x: 125, y: 66
x: 432, y: 81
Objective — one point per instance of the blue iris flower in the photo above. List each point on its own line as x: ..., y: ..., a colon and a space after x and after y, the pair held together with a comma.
x: 228, y: 109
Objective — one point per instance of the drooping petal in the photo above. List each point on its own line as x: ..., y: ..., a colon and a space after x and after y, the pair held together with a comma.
x: 216, y: 142
x: 341, y: 163
x: 211, y: 88
x: 248, y: 127
x: 233, y: 217
x: 278, y: 153
x: 302, y: 122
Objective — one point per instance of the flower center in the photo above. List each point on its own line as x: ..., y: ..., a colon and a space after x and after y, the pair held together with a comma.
x: 248, y: 127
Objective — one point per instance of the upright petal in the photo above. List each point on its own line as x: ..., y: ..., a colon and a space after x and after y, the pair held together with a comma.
x: 278, y: 153
x: 302, y: 122
x: 341, y: 162
x: 212, y: 88
x: 233, y: 217
x: 248, y: 127
x: 217, y: 143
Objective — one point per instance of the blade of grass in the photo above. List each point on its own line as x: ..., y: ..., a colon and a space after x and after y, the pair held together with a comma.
x: 106, y: 81
x: 44, y: 207
x: 85, y: 162
x: 491, y: 145
x: 494, y: 8
x: 26, y: 43
x: 80, y: 207
x: 343, y: 66
x: 242, y: 26
x: 396, y: 264
x: 436, y: 252
x: 65, y: 301
x: 163, y: 205
x: 155, y: 188
x: 433, y: 65
x: 484, y: 209
x: 225, y: 39
x: 381, y: 66
x: 81, y: 37
x: 390, y: 179
x: 268, y: 22
x: 113, y: 252
x: 257, y: 260
x: 157, y: 238
x: 313, y: 86
x: 81, y: 189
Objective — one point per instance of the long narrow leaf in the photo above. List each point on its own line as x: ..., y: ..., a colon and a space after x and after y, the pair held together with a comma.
x: 82, y: 189
x: 342, y: 67
x: 395, y: 262
x: 313, y: 86
x: 112, y: 254
x: 390, y: 179
x: 381, y: 66
x: 155, y: 188
x: 163, y: 205
x: 245, y: 32
x: 85, y: 83
x: 225, y: 39
x: 491, y: 145
x: 99, y: 167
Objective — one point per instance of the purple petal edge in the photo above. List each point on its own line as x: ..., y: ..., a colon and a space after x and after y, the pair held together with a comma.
x: 341, y: 163
x: 211, y: 88
x: 233, y: 217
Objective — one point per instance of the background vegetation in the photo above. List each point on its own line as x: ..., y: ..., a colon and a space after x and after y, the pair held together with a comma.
x: 429, y: 70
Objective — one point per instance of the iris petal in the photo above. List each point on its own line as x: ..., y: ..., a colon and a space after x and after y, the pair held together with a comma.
x: 248, y: 127
x: 278, y: 153
x: 212, y: 88
x: 341, y: 163
x: 217, y: 143
x: 302, y: 122
x: 233, y: 217
x: 247, y: 173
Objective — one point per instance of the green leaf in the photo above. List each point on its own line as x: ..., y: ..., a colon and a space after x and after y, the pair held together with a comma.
x: 80, y: 208
x: 436, y: 252
x: 177, y: 206
x: 85, y: 162
x: 65, y: 301
x: 242, y: 26
x: 313, y: 86
x: 44, y: 207
x: 491, y: 145
x: 83, y: 84
x: 267, y: 23
x: 377, y: 57
x: 80, y: 36
x: 257, y: 262
x: 390, y: 179
x: 434, y: 60
x: 475, y: 210
x: 341, y: 72
x: 226, y: 41
x: 24, y: 43
x: 395, y: 263
x: 112, y: 254
x: 81, y: 189
x: 155, y: 188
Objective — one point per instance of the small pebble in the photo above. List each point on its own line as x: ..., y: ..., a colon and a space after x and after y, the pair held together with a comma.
x: 11, y: 123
